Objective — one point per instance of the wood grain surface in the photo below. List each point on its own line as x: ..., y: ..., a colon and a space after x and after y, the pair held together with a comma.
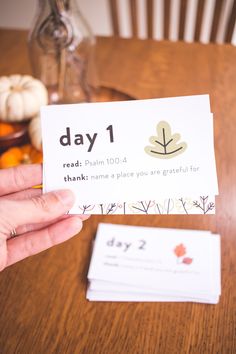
x: 42, y: 299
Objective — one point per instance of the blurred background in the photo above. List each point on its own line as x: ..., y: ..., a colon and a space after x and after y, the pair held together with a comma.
x: 219, y: 13
x: 19, y: 14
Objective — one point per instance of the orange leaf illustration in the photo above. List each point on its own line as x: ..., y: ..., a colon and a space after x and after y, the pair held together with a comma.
x: 187, y: 260
x: 180, y: 250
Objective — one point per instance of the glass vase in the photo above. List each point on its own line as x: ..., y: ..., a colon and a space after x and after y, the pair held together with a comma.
x: 61, y: 50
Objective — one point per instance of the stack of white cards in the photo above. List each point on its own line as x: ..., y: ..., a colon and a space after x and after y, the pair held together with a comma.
x: 135, y: 157
x: 133, y: 263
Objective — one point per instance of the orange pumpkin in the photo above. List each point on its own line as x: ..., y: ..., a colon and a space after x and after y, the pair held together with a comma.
x: 15, y: 156
x: 6, y: 129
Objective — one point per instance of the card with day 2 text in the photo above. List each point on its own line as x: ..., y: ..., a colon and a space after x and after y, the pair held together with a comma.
x: 151, y: 156
x: 137, y: 263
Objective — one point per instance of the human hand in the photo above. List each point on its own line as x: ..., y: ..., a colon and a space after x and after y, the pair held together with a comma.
x: 29, y: 221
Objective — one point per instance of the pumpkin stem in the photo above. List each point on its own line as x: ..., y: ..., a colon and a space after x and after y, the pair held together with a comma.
x: 26, y: 159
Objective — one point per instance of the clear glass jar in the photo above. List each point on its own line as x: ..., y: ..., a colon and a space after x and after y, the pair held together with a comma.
x: 61, y: 49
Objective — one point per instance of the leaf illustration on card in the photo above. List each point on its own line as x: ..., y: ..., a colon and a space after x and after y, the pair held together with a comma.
x: 86, y: 208
x: 204, y: 205
x: 143, y: 206
x: 165, y: 145
x: 187, y: 260
x: 180, y: 250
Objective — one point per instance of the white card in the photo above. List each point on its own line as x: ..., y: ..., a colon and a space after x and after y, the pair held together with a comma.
x: 177, y: 264
x: 143, y: 297
x: 112, y: 153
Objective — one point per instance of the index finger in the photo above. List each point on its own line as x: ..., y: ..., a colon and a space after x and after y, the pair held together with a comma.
x: 15, y: 179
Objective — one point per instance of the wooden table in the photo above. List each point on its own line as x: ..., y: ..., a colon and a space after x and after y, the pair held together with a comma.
x: 42, y: 299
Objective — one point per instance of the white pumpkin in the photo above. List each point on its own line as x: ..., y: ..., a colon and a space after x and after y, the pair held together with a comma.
x: 35, y: 132
x: 21, y: 97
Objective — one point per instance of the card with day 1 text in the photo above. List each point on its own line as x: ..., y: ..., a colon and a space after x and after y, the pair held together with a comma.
x: 134, y: 263
x: 147, y: 156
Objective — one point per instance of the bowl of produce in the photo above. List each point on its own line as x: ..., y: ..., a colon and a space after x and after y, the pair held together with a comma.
x: 12, y: 134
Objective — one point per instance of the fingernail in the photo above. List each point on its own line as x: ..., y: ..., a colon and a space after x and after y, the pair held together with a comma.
x: 66, y: 196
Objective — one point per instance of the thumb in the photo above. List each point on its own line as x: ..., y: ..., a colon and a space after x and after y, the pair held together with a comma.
x: 38, y: 209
